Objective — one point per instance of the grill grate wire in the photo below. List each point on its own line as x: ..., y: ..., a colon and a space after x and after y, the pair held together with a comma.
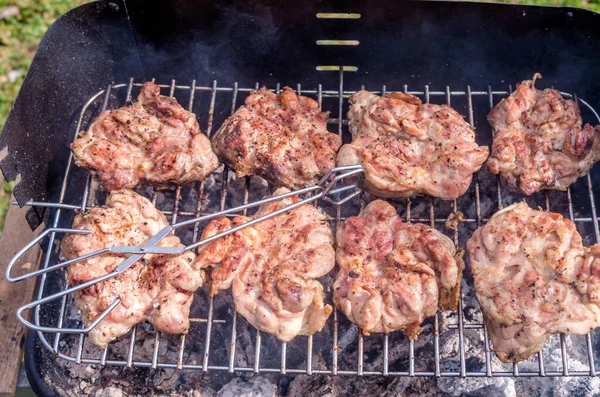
x: 175, y: 212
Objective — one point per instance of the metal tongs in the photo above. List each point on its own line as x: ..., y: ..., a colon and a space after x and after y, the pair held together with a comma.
x: 324, y: 189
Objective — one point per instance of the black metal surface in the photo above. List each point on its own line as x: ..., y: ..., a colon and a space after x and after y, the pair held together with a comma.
x: 413, y: 43
x: 34, y: 368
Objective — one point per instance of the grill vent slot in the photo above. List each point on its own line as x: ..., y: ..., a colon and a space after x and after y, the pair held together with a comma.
x: 337, y: 15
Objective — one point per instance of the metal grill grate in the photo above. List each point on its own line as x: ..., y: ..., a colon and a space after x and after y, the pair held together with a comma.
x: 483, y: 191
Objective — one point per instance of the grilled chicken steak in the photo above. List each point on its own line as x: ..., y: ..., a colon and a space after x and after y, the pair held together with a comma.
x: 272, y: 267
x: 533, y: 277
x: 154, y: 140
x: 157, y: 288
x: 394, y: 274
x: 282, y: 138
x: 409, y: 148
x: 539, y: 142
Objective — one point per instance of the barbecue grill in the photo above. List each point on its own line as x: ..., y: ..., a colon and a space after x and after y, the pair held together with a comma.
x: 210, y: 57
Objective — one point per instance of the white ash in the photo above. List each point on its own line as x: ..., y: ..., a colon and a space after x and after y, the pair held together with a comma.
x: 109, y: 392
x: 491, y: 387
x: 257, y: 386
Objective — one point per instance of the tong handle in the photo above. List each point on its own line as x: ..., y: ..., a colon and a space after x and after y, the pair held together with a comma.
x: 32, y: 243
x: 24, y: 320
x: 323, y: 190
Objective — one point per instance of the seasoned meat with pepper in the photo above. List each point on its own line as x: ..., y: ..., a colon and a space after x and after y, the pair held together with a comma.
x: 394, y: 274
x: 154, y: 140
x: 409, y: 148
x: 157, y: 288
x: 533, y: 277
x: 539, y: 141
x: 282, y: 138
x: 272, y: 267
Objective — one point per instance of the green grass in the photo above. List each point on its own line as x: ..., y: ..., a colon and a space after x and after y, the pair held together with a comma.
x: 5, y: 191
x: 20, y: 35
x: 593, y: 5
x: 19, y: 39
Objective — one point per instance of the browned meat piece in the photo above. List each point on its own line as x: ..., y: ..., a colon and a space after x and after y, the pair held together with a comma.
x: 273, y: 266
x: 393, y: 274
x: 282, y: 138
x: 533, y: 278
x: 408, y: 148
x: 155, y: 141
x: 157, y: 288
x: 539, y: 142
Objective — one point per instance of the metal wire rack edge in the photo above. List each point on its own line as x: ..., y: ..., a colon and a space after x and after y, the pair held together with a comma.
x: 340, y: 94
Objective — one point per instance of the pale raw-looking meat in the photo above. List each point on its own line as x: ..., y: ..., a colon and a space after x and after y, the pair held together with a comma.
x: 409, y: 148
x: 272, y: 267
x: 393, y: 274
x: 539, y: 142
x: 157, y: 288
x: 154, y: 141
x: 533, y: 278
x: 282, y: 138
